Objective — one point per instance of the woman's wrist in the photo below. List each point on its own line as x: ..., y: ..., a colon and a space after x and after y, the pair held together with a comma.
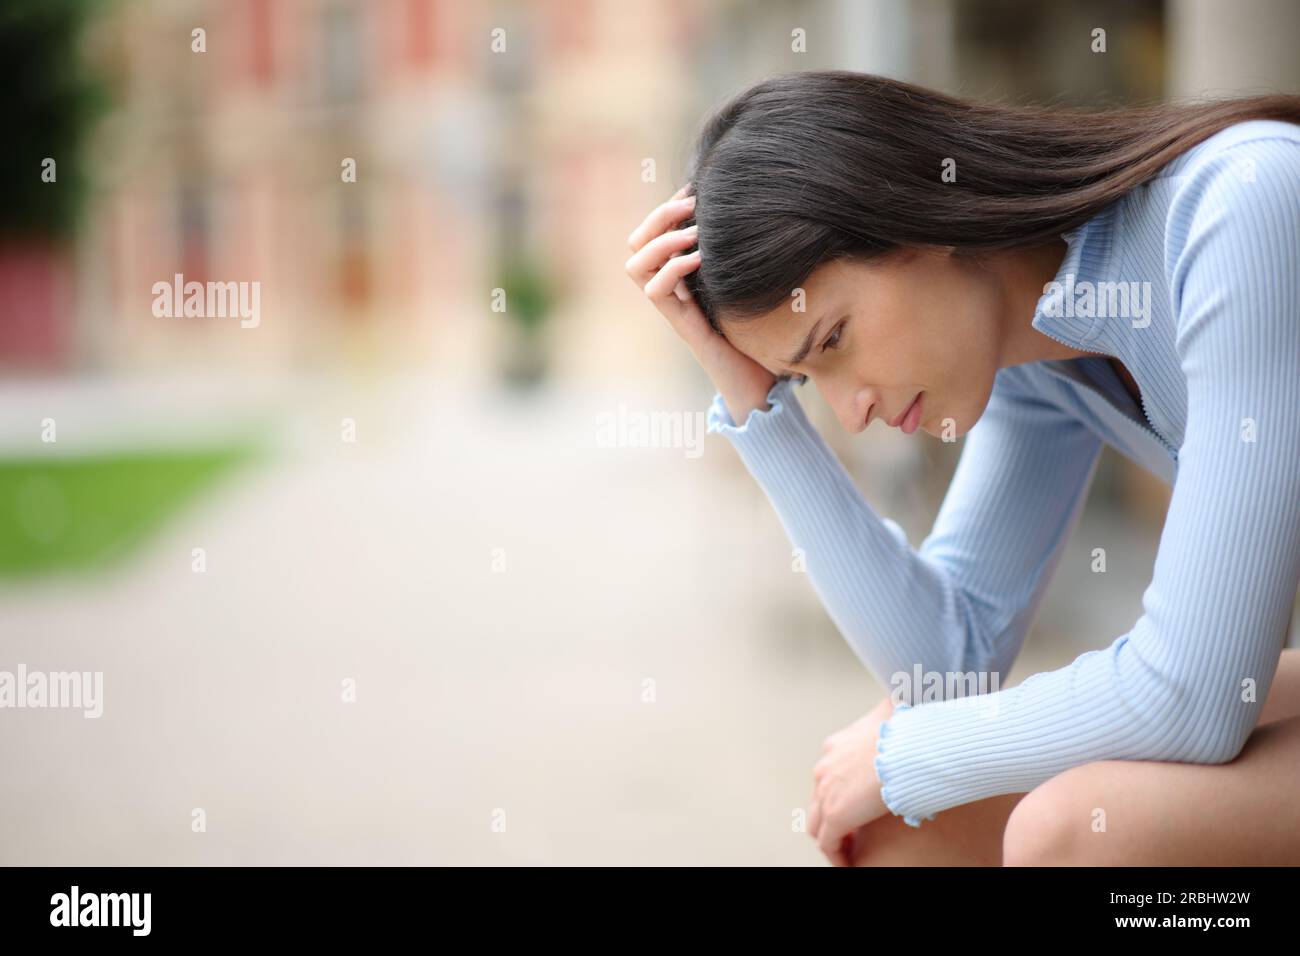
x: 741, y: 404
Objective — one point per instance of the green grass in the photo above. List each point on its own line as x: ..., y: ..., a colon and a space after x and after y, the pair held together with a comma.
x: 60, y: 514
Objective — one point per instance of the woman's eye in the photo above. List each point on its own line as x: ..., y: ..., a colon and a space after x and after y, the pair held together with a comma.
x: 833, y: 340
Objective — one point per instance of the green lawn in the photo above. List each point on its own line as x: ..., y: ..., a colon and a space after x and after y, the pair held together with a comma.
x: 60, y: 514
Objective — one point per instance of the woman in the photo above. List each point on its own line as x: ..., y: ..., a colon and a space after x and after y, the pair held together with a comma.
x: 1041, y: 282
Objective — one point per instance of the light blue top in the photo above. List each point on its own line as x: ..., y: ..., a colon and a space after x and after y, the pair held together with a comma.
x: 1217, y: 359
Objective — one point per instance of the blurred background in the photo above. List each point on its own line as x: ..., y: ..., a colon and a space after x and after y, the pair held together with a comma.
x: 366, y: 579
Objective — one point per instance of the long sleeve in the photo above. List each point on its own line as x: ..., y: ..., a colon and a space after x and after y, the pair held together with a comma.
x: 962, y: 603
x: 1187, y: 682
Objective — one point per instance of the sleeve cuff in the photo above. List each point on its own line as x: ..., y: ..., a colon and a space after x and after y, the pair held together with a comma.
x: 883, y: 773
x: 779, y: 396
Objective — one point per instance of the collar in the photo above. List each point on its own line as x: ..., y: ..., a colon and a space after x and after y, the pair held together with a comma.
x: 1060, y: 313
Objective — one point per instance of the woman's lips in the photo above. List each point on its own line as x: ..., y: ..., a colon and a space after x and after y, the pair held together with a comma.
x: 898, y: 419
x: 911, y: 416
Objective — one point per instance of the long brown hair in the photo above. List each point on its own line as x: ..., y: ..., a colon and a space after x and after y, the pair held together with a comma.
x: 808, y: 167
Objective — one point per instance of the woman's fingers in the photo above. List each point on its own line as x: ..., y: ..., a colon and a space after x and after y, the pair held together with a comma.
x: 673, y: 271
x: 658, y: 267
x: 683, y: 313
x: 642, y: 265
x: 833, y: 838
x: 858, y: 847
x: 849, y: 849
x: 832, y: 841
x: 661, y: 218
x: 651, y: 253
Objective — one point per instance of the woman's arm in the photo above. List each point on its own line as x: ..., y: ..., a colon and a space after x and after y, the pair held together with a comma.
x: 963, y: 601
x: 1187, y: 682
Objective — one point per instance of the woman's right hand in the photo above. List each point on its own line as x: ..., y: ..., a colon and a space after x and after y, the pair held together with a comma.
x: 658, y: 268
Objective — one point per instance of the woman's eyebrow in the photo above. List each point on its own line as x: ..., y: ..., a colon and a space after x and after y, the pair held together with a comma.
x: 806, y: 347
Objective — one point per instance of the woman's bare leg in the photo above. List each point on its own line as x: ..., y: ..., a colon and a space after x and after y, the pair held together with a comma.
x: 968, y: 835
x: 974, y: 834
x: 1151, y: 813
x: 1283, y: 699
x: 1240, y: 813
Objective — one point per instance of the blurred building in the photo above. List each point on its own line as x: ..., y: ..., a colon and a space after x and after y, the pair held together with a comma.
x: 478, y: 131
x: 228, y: 165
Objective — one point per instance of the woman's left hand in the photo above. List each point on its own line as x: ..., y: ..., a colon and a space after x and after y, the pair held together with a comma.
x: 846, y: 793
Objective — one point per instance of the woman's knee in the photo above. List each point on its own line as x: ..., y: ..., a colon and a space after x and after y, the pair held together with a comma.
x: 1283, y: 701
x: 1059, y: 822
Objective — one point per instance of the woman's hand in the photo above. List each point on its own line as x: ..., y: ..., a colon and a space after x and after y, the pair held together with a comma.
x: 658, y: 267
x: 846, y: 793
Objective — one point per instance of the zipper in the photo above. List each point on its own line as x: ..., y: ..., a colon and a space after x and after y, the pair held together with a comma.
x: 1142, y: 400
x: 1145, y: 424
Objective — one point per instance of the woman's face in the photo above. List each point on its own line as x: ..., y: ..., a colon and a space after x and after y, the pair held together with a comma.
x: 884, y: 331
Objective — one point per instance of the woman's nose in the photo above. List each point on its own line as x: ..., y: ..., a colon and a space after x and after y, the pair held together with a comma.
x: 852, y: 405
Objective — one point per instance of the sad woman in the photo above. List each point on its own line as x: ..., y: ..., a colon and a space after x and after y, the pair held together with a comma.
x: 905, y: 251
